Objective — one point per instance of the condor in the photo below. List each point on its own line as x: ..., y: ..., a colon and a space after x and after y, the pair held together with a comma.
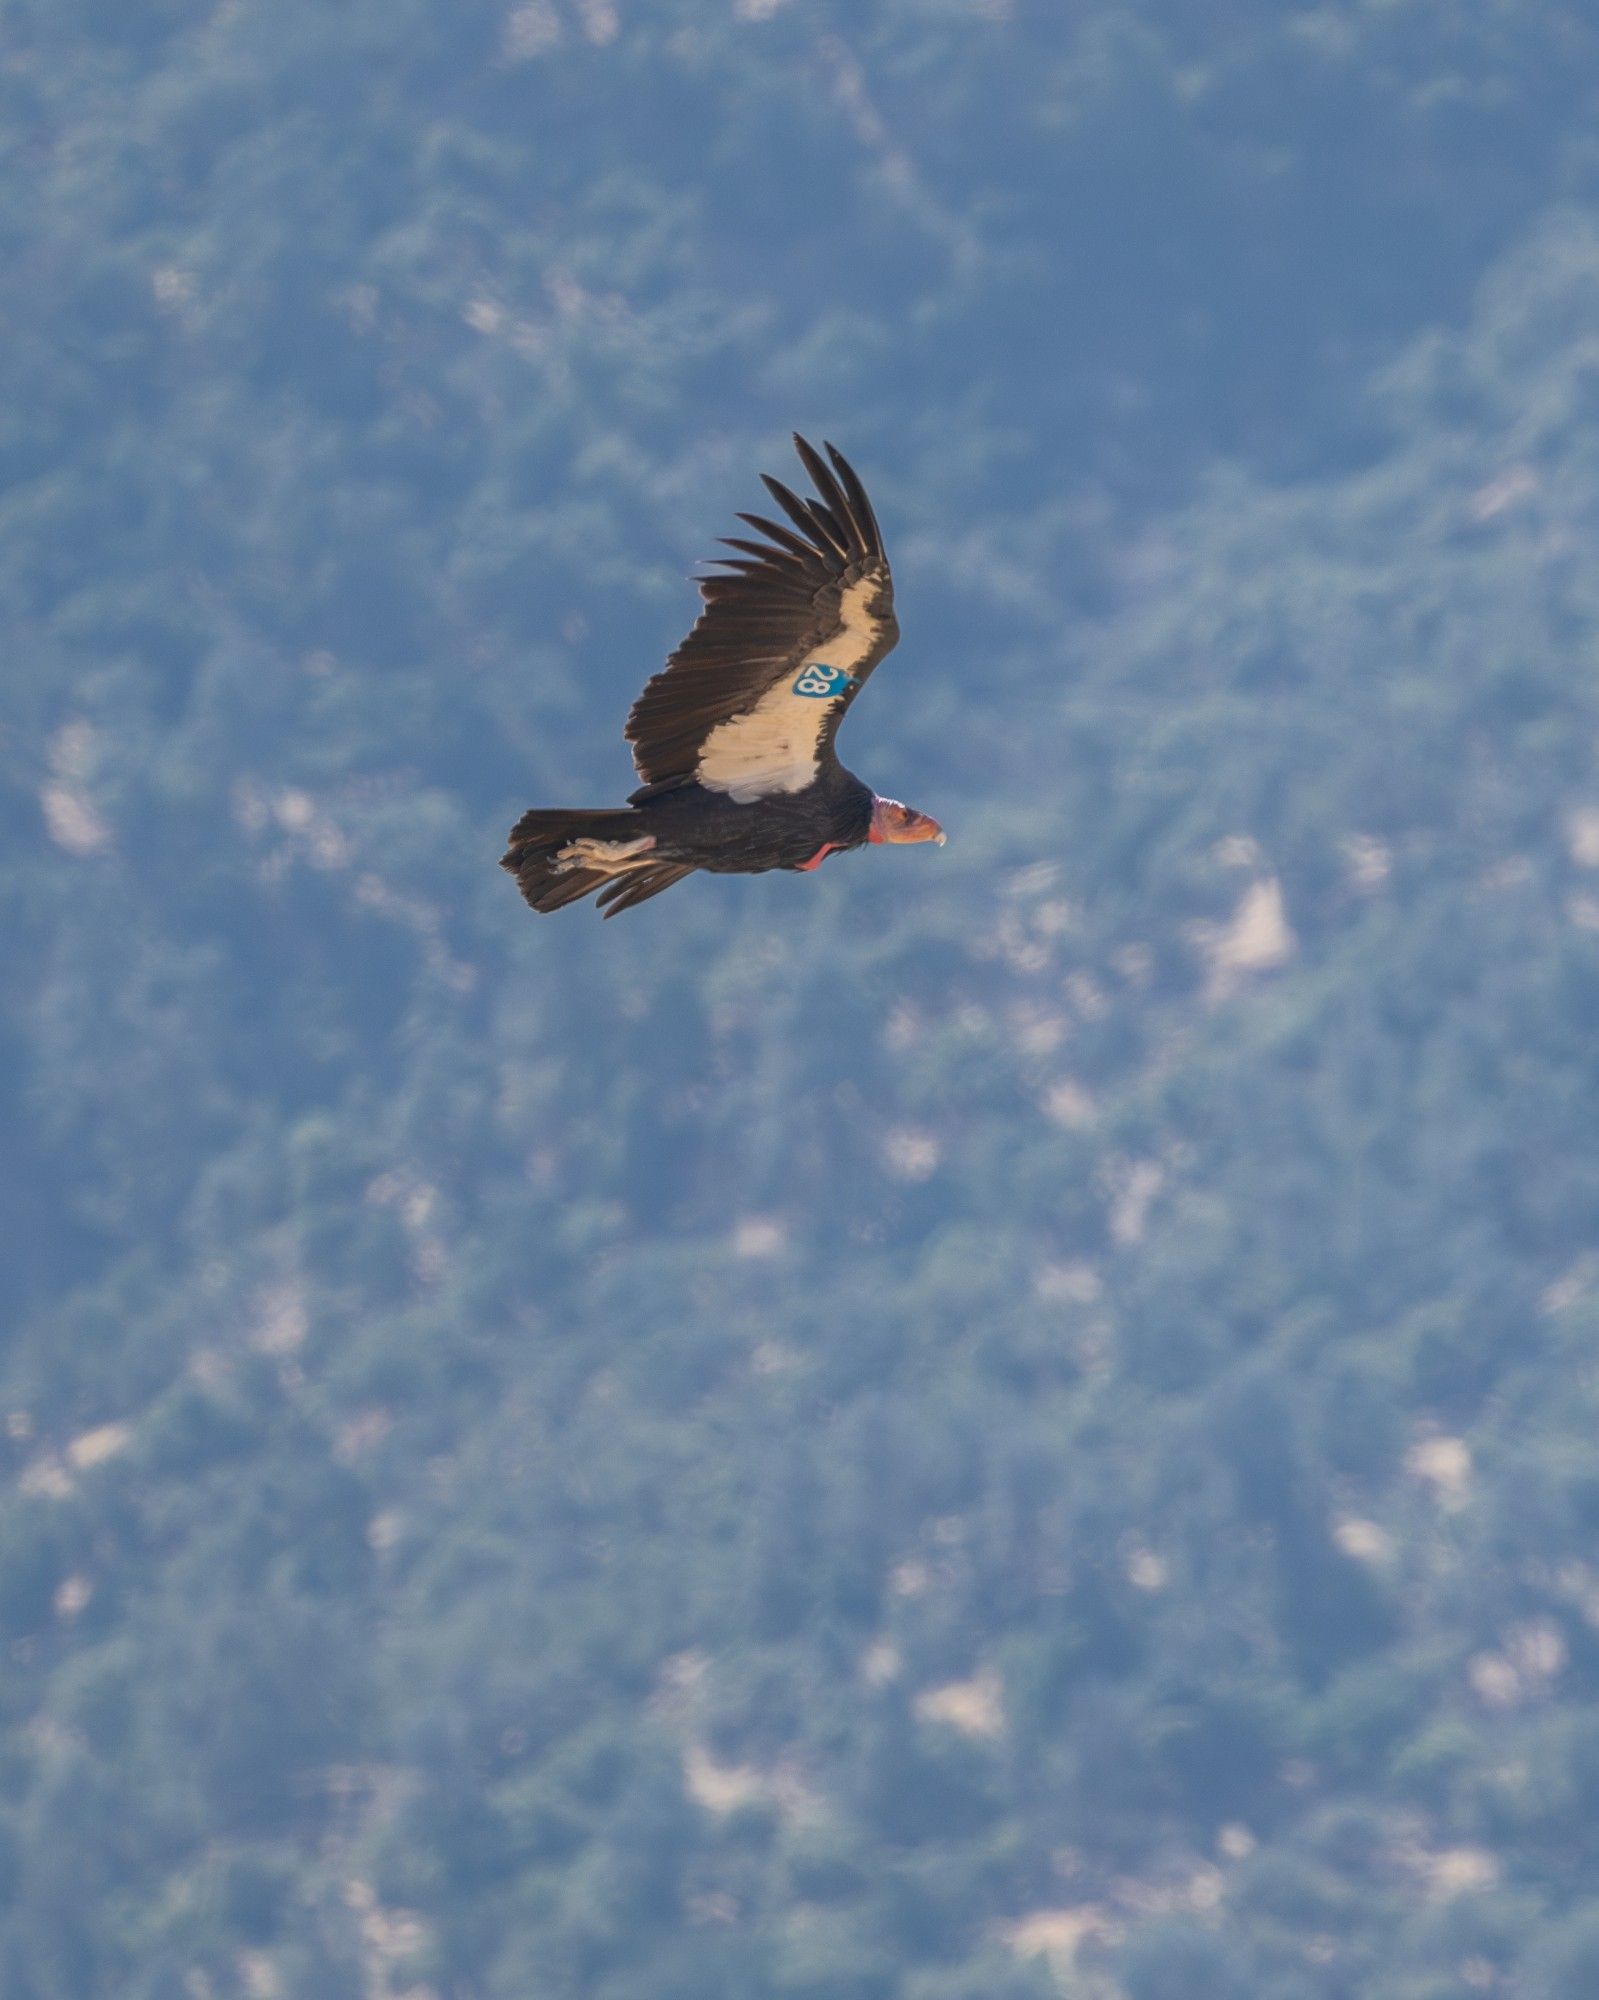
x: 733, y: 739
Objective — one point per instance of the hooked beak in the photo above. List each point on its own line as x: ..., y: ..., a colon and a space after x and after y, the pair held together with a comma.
x: 899, y: 826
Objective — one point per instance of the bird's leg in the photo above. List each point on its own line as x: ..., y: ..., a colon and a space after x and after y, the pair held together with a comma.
x: 611, y: 857
x: 827, y: 847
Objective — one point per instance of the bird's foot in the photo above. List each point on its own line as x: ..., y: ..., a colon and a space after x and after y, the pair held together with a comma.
x: 611, y: 857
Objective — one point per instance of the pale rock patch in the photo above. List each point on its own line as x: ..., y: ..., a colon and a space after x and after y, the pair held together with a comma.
x: 530, y: 30
x: 94, y: 1447
x: 1505, y: 490
x: 1582, y: 836
x: 1068, y: 1105
x: 1144, y: 1569
x: 1444, y: 1463
x: 759, y: 1236
x: 1364, y: 1540
x: 72, y: 1595
x: 975, y: 1707
x: 911, y: 1155
x: 72, y: 822
x: 1257, y: 939
x: 1058, y: 1936
x: 1370, y: 861
x: 1129, y: 1213
x: 881, y: 1663
x: 282, y: 1320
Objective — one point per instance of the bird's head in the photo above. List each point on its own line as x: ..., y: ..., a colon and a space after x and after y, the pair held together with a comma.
x: 900, y: 825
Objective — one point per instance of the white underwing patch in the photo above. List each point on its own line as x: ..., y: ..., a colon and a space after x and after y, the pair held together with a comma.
x: 773, y: 746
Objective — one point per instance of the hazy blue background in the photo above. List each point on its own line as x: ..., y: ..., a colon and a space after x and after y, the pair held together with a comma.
x: 977, y: 1425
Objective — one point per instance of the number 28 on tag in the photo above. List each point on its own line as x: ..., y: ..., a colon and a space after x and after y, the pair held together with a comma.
x: 818, y: 680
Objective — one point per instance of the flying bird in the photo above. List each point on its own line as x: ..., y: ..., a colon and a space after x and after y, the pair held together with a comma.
x: 734, y: 737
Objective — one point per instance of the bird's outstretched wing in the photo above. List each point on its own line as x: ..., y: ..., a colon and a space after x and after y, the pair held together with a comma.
x: 750, y: 702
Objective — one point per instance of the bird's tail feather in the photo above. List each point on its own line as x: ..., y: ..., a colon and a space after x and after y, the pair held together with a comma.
x: 561, y: 854
x: 627, y: 891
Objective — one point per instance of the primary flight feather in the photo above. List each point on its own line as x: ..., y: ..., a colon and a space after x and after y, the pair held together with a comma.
x: 733, y: 738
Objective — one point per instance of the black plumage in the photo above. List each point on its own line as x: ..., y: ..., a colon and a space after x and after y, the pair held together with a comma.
x: 734, y: 737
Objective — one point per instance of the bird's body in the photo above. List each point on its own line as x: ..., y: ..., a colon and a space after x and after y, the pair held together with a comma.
x: 734, y: 737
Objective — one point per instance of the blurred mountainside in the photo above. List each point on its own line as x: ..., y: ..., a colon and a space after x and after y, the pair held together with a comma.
x: 972, y: 1426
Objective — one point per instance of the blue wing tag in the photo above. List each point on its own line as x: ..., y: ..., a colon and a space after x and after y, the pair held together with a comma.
x: 818, y: 680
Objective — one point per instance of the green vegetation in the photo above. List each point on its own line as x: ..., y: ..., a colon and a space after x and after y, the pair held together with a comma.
x: 968, y: 1427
